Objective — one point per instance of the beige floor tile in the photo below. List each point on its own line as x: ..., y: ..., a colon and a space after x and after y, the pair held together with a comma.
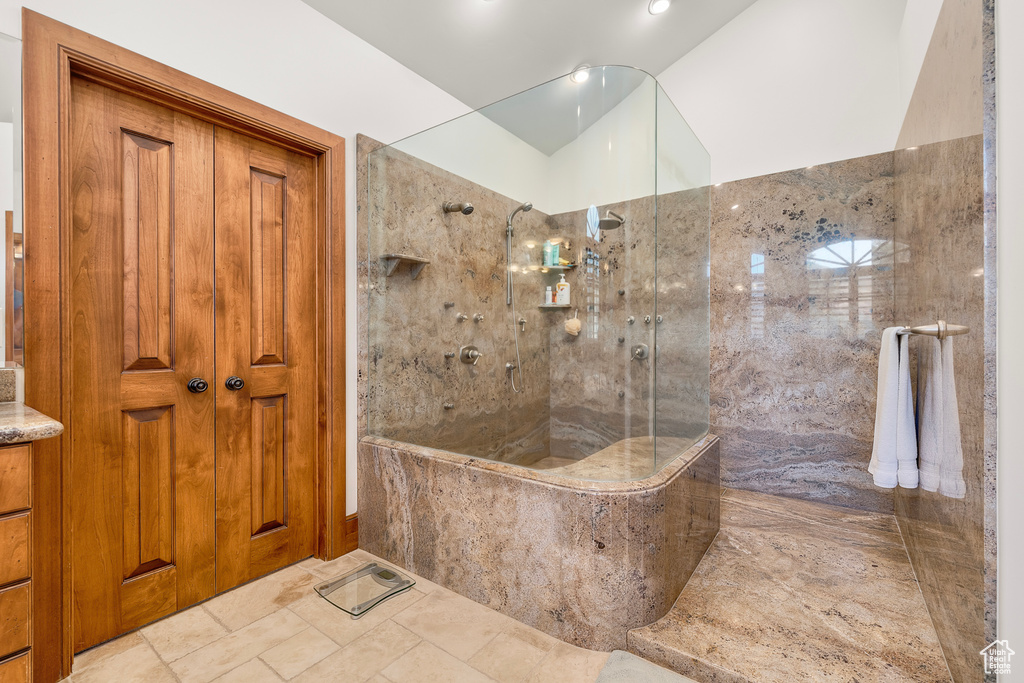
x: 253, y: 671
x: 364, y: 657
x: 255, y: 600
x: 568, y: 664
x: 299, y: 652
x: 139, y: 664
x: 378, y: 679
x: 235, y: 649
x: 426, y: 663
x: 105, y: 651
x: 528, y: 634
x: 507, y: 659
x: 340, y: 627
x: 179, y: 634
x: 334, y: 568
x: 456, y: 624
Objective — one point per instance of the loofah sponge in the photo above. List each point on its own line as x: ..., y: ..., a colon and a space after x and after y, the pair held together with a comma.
x: 573, y: 326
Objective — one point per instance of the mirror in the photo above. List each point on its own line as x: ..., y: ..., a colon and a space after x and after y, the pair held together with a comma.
x: 12, y: 340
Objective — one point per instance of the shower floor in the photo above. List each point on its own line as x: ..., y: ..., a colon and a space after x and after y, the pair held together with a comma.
x: 625, y: 460
x: 797, y: 591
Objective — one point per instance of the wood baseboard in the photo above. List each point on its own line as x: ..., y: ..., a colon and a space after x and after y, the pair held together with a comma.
x: 352, y: 532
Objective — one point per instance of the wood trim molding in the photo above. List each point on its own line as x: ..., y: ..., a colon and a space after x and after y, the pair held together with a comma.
x: 52, y: 53
x: 352, y: 532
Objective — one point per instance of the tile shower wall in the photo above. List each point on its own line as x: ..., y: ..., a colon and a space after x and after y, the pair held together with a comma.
x: 409, y: 327
x: 801, y: 288
x: 940, y: 222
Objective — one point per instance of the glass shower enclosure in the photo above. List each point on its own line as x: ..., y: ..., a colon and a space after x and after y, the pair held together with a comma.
x: 598, y: 187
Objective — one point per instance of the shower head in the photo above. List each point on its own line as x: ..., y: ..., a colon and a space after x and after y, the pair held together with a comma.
x: 465, y: 208
x: 522, y: 207
x: 611, y: 221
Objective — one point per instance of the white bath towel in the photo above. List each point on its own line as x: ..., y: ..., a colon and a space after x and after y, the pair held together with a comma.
x: 593, y: 223
x: 938, y: 420
x: 894, y: 453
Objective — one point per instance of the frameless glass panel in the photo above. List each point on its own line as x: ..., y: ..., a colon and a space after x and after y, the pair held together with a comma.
x: 683, y: 330
x: 11, y: 270
x: 469, y: 351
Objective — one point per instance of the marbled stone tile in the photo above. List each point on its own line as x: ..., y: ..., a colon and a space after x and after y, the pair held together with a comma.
x: 364, y: 146
x: 796, y: 318
x: 608, y: 556
x: 940, y: 219
x: 798, y: 591
x: 991, y: 227
x: 8, y: 384
x: 410, y: 328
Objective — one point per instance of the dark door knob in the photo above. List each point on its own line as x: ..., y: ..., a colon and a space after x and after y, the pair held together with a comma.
x: 197, y: 386
x: 234, y: 383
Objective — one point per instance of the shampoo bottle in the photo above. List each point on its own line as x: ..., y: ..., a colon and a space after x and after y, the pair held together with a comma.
x: 549, y: 297
x: 548, y: 247
x: 562, y: 297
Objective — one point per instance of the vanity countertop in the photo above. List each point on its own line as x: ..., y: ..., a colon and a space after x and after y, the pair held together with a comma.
x: 19, y: 423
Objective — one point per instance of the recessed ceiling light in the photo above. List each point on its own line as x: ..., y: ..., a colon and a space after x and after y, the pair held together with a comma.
x: 580, y: 73
x: 658, y: 6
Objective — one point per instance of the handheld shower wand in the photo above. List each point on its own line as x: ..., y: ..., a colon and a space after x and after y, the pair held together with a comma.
x: 510, y: 299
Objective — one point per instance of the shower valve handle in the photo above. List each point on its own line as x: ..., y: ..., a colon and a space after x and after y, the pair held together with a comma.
x: 469, y: 355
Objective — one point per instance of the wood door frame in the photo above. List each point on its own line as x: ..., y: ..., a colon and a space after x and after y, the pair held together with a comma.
x: 53, y: 53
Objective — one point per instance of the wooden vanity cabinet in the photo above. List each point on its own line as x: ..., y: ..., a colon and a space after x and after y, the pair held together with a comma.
x: 15, y: 563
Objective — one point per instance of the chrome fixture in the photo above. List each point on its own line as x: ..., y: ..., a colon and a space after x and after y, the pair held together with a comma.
x: 510, y: 366
x: 449, y: 304
x: 522, y: 324
x: 465, y: 208
x: 622, y: 394
x: 611, y: 221
x: 659, y: 320
x: 940, y: 329
x: 640, y: 352
x: 630, y: 320
x: 447, y: 406
x: 510, y: 299
x: 449, y: 354
x: 647, y: 320
x: 461, y: 317
x: 478, y: 318
x: 469, y: 355
x: 622, y: 340
x: 622, y: 292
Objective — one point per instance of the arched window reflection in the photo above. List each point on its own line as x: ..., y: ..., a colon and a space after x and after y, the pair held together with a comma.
x: 842, y: 286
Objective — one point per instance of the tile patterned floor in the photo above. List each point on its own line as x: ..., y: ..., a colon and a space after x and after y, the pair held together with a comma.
x: 277, y: 629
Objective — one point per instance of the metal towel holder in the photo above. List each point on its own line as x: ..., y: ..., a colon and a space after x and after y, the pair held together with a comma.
x: 940, y: 329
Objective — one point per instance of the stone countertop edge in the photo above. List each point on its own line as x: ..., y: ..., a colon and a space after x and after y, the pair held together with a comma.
x: 659, y: 478
x: 19, y: 424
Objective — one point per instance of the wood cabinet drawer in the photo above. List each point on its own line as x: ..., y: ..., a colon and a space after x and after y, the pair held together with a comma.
x: 16, y: 669
x: 14, y: 548
x: 15, y: 478
x: 15, y: 619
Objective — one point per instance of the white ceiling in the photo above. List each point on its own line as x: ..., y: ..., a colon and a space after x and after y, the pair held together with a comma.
x: 481, y: 51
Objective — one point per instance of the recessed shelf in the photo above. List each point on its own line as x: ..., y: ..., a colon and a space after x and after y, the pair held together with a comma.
x: 392, y: 261
x: 555, y: 306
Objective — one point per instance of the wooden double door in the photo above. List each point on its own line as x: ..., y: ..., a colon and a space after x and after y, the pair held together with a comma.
x: 193, y: 416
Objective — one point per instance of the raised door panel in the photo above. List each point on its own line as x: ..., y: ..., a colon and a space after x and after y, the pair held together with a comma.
x: 142, y: 445
x: 266, y: 321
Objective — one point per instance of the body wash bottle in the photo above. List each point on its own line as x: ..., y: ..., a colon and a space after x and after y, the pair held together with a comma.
x: 562, y: 297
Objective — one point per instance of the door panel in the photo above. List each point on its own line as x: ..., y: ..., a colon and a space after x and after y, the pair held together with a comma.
x: 266, y: 335
x: 141, y: 255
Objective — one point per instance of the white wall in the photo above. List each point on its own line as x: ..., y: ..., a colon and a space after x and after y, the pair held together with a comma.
x: 793, y: 83
x: 1010, y: 240
x: 912, y: 46
x: 479, y: 150
x: 281, y: 53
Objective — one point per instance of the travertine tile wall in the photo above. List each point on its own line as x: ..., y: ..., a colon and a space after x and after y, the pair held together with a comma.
x: 410, y: 328
x: 794, y: 355
x: 945, y: 216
